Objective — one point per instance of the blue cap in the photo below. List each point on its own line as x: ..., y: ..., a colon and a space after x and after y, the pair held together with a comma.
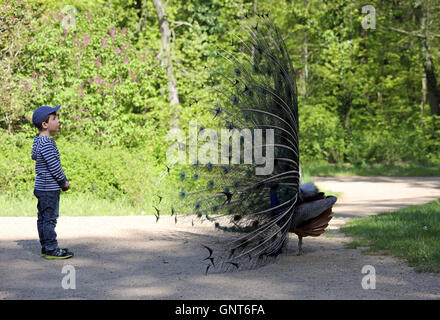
x: 41, y: 113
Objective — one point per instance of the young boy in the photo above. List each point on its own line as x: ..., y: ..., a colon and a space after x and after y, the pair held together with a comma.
x: 50, y: 178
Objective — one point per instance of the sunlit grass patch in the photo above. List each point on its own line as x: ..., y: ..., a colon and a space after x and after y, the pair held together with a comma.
x: 399, y: 170
x: 72, y: 205
x: 412, y: 234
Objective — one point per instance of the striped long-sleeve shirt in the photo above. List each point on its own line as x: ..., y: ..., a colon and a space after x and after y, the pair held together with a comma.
x: 50, y: 175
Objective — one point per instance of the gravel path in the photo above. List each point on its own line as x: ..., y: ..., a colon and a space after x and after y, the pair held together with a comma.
x: 132, y: 257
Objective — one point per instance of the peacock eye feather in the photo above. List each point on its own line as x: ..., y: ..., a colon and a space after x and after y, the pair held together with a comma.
x: 182, y: 194
x: 182, y: 175
x: 198, y: 206
x: 237, y: 72
x: 196, y: 176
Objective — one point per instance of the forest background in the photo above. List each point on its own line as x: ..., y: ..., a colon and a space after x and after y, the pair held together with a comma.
x: 125, y: 71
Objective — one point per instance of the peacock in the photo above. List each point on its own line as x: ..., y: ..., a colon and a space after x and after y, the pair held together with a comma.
x: 245, y: 178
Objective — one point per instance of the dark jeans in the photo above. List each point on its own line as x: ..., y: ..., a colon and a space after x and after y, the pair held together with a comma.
x: 48, y: 207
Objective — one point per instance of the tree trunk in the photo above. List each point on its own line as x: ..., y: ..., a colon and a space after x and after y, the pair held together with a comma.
x: 306, y: 67
x: 306, y: 56
x: 165, y: 58
x: 431, y: 82
x: 142, y: 13
x: 424, y: 91
x: 432, y: 90
x: 428, y: 66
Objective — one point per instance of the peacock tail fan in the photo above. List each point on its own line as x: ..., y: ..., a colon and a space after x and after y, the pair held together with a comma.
x: 250, y: 195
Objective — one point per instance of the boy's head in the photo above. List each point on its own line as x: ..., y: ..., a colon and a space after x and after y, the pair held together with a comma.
x: 45, y: 119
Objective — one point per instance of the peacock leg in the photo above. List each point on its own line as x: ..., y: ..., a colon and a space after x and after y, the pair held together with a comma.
x: 300, y: 241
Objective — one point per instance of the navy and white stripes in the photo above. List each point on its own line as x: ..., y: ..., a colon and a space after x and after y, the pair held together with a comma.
x: 50, y: 175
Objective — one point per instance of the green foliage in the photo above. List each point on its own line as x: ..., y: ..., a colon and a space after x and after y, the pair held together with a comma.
x: 360, y: 99
x: 98, y: 172
x: 322, y: 136
x: 323, y: 168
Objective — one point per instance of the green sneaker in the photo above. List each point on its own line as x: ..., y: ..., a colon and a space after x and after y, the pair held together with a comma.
x: 43, y: 251
x: 58, y: 254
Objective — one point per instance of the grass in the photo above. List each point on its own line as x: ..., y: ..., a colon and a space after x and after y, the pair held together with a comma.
x: 412, y: 234
x: 71, y: 205
x: 401, y: 170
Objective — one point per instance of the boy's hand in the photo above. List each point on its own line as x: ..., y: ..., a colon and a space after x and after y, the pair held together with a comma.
x: 66, y: 186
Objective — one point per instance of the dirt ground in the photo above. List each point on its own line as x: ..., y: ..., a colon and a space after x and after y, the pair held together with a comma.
x: 133, y: 257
